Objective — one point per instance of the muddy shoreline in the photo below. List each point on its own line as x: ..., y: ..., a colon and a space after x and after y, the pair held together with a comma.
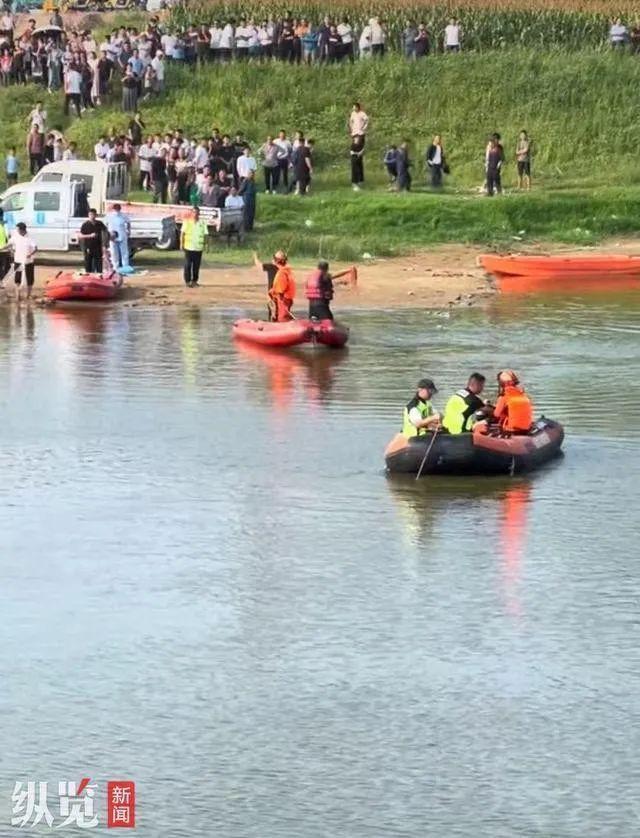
x: 441, y: 278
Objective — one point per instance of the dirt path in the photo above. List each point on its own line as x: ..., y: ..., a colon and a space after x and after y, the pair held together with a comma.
x: 436, y: 279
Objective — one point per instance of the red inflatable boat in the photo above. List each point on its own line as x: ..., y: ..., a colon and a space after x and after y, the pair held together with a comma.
x: 69, y: 285
x: 291, y: 333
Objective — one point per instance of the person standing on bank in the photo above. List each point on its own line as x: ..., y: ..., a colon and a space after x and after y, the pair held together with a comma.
x: 319, y: 290
x: 247, y: 192
x: 523, y: 161
x: 24, y: 250
x: 436, y: 162
x: 419, y: 415
x: 93, y: 235
x: 493, y: 165
x: 193, y: 236
x: 119, y: 227
x: 357, y: 162
x: 5, y: 254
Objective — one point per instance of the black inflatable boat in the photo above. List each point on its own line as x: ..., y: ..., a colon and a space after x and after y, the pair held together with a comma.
x: 476, y: 453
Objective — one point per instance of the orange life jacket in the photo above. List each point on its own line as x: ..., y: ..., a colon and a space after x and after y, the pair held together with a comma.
x: 514, y: 411
x: 283, y: 284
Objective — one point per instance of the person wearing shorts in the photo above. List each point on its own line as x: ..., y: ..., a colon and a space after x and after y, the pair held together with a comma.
x: 523, y: 161
x: 24, y: 250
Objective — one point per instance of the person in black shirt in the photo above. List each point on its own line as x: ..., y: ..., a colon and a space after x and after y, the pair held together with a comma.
x: 93, y: 235
x: 269, y: 268
x: 159, y: 179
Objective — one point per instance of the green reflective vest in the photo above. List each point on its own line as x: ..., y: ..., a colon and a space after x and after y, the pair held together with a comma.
x: 426, y: 410
x: 459, y: 413
x: 4, y: 239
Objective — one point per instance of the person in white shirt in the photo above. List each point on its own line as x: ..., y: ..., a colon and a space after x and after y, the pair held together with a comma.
x: 233, y: 200
x: 378, y: 37
x: 243, y: 36
x: 618, y: 33
x: 146, y: 153
x: 72, y: 89
x: 38, y: 117
x: 265, y: 39
x: 452, y: 36
x: 358, y: 121
x: 201, y: 156
x: 101, y: 149
x: 157, y: 64
x: 346, y: 34
x: 215, y: 33
x: 226, y: 43
x: 70, y: 152
x: 284, y: 159
x: 168, y: 42
x: 245, y: 164
x: 24, y: 250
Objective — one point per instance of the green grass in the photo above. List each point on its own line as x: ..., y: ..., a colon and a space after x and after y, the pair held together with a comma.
x: 580, y: 109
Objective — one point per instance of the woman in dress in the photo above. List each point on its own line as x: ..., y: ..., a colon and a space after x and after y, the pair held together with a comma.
x: 357, y: 162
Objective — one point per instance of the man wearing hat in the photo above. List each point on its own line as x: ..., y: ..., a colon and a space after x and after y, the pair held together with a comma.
x: 319, y: 290
x: 419, y: 415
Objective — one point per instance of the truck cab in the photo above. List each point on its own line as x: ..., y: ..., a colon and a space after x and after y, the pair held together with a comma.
x: 49, y: 210
x: 102, y: 181
x: 54, y: 211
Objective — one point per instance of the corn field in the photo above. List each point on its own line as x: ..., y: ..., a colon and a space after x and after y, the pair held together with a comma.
x: 503, y: 24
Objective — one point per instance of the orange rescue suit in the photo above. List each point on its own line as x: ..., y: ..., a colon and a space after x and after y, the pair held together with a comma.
x: 283, y: 292
x: 514, y: 410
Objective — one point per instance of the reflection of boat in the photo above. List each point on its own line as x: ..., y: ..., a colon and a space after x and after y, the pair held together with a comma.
x: 291, y: 333
x: 550, y: 267
x: 475, y: 453
x: 592, y: 284
x: 70, y: 285
x: 286, y: 367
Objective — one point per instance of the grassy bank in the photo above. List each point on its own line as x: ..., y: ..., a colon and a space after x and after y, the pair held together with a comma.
x: 578, y: 107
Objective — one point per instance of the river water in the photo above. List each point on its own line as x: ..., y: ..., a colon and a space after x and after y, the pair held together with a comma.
x: 209, y: 585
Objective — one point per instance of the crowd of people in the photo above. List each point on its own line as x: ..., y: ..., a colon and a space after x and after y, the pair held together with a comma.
x: 81, y: 66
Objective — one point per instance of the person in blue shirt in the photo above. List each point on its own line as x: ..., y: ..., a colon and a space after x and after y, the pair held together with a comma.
x: 11, y: 167
x: 119, y: 228
x: 310, y: 46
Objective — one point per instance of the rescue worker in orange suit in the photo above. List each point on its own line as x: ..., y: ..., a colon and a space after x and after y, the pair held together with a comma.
x: 283, y: 291
x: 514, y: 410
x: 319, y: 290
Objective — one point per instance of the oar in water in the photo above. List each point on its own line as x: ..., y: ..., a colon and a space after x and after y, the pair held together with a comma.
x: 427, y: 452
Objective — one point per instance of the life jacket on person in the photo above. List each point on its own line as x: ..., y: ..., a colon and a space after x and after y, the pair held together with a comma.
x: 459, y: 413
x: 426, y: 410
x: 514, y: 409
x: 283, y: 293
x: 319, y: 286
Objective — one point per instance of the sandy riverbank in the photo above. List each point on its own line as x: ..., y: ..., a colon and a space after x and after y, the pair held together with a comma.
x: 438, y: 278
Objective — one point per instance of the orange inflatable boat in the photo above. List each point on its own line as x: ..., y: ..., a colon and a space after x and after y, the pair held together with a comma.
x: 70, y: 285
x: 549, y: 267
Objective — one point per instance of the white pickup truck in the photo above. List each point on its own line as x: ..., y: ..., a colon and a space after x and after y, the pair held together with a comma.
x: 108, y: 183
x: 54, y: 213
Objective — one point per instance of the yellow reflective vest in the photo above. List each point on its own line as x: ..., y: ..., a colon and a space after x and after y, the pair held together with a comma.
x: 459, y: 412
x: 426, y: 410
x: 194, y: 233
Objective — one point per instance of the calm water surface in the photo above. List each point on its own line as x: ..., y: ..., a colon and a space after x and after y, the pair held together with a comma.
x: 209, y: 585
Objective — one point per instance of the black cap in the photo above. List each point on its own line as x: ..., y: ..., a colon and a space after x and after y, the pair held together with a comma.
x: 427, y: 384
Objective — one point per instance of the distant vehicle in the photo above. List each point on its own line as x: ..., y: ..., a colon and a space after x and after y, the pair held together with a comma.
x: 54, y: 213
x: 108, y: 183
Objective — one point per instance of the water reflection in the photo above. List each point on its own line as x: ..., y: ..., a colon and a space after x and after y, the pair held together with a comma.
x: 493, y: 505
x: 312, y: 371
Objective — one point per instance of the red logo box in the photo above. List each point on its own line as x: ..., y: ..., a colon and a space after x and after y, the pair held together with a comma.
x: 121, y: 804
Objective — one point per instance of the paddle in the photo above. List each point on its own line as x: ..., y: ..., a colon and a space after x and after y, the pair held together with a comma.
x: 428, y: 451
